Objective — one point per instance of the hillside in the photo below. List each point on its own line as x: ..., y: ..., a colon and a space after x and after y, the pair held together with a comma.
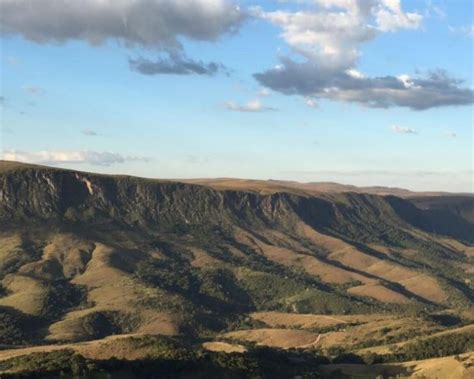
x: 86, y: 256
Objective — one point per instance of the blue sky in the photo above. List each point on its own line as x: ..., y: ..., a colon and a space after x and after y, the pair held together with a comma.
x: 243, y: 89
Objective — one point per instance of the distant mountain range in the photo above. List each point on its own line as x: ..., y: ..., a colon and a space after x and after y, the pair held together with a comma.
x: 312, y: 187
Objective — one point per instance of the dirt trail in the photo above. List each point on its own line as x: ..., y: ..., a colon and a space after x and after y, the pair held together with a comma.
x: 311, y: 344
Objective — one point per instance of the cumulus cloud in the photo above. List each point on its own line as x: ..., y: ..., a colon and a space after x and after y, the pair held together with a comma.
x: 403, y: 130
x: 152, y: 24
x: 435, y: 89
x: 328, y: 39
x: 311, y: 103
x: 251, y: 106
x: 264, y: 92
x: 332, y: 33
x: 390, y: 17
x: 174, y: 64
x: 71, y: 157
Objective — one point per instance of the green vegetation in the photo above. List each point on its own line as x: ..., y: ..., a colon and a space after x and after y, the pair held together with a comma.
x: 169, y: 358
x: 17, y: 328
x: 439, y: 346
x: 62, y: 296
x: 294, y: 293
x: 62, y: 363
x: 102, y: 324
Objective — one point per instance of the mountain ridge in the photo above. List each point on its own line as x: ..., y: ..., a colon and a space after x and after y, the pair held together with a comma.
x: 270, y: 185
x: 58, y: 192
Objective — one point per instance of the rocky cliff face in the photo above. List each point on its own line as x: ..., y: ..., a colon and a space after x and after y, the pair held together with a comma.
x: 45, y: 194
x: 48, y: 194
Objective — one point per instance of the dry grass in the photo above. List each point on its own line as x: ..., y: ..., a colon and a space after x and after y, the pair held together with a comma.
x: 284, y: 250
x: 201, y: 258
x: 27, y: 295
x: 88, y: 265
x: 436, y: 368
x: 421, y: 285
x: 224, y: 347
x: 283, y: 338
x: 379, y: 292
x: 119, y: 346
x: 289, y: 257
x: 458, y: 246
x: 309, y: 321
x: 298, y: 330
x: 348, y: 330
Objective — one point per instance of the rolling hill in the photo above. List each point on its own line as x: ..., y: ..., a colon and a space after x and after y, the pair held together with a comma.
x: 230, y: 265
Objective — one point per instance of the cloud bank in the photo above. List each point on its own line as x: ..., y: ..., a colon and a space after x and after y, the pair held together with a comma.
x: 325, y: 40
x: 152, y: 24
x: 149, y: 23
x: 71, y: 157
x: 328, y: 39
x: 174, y: 64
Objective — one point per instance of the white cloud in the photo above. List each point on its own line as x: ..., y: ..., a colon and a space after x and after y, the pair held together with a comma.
x: 403, y: 130
x: 355, y: 74
x: 390, y: 17
x: 264, y: 92
x: 311, y: 103
x: 331, y: 34
x: 251, y: 106
x: 68, y: 156
x: 467, y: 31
x: 450, y: 134
x: 406, y: 80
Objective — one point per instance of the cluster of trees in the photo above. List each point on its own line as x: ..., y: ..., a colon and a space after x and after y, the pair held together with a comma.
x: 17, y: 328
x: 439, y: 346
x: 175, y: 363
x: 171, y: 357
x: 254, y: 289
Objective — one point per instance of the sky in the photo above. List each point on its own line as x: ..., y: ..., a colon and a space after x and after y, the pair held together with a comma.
x: 363, y: 92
